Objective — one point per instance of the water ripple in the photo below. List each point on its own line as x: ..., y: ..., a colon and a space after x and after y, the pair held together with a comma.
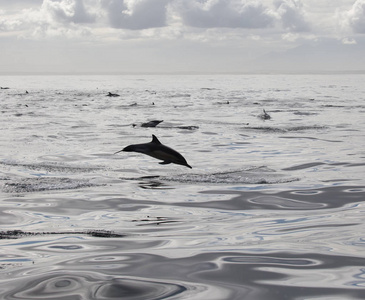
x: 308, y: 199
x: 94, y: 285
x: 212, y: 275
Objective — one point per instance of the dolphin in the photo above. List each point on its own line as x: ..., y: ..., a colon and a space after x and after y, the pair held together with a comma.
x: 159, y: 151
x: 112, y: 95
x: 265, y: 115
x: 153, y: 123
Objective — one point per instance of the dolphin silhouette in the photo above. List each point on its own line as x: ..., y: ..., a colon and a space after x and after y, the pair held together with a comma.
x: 112, y: 95
x: 265, y: 115
x: 153, y: 123
x: 157, y: 150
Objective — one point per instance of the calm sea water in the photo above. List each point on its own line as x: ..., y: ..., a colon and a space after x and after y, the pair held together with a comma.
x: 272, y: 209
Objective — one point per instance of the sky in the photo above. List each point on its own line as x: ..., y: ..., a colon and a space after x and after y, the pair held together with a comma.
x: 181, y: 36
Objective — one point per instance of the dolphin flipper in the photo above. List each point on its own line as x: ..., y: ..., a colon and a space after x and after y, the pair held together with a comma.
x: 166, y: 162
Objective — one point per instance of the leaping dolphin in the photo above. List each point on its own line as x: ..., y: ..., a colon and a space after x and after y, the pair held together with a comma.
x: 159, y: 151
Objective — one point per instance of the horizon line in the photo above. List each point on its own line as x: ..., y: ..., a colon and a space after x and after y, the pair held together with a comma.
x: 257, y: 72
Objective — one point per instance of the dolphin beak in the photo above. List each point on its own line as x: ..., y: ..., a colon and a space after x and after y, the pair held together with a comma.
x: 124, y: 149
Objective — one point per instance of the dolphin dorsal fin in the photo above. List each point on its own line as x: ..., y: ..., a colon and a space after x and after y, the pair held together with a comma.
x: 155, y: 139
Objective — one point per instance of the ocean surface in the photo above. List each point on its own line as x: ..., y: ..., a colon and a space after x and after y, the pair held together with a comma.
x: 273, y: 207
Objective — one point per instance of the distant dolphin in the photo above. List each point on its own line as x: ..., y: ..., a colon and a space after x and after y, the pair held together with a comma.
x: 159, y: 151
x: 153, y: 123
x: 265, y: 115
x: 112, y: 95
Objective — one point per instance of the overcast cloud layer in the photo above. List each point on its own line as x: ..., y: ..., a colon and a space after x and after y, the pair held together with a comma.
x: 181, y: 35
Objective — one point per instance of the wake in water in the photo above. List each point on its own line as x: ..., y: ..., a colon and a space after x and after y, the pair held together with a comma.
x: 39, y: 184
x: 253, y: 175
x: 43, y: 181
x: 51, y: 167
x: 256, y: 175
x: 269, y: 129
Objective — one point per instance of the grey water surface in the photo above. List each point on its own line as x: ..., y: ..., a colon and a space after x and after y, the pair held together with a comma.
x: 272, y: 209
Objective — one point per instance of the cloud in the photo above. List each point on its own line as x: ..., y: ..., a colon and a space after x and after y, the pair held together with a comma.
x: 184, y: 16
x: 53, y: 18
x: 68, y: 11
x: 214, y: 21
x: 349, y: 41
x: 355, y: 17
x: 292, y: 15
x: 222, y: 13
x: 136, y: 14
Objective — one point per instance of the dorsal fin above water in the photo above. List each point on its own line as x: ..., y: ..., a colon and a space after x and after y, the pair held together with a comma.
x: 155, y: 139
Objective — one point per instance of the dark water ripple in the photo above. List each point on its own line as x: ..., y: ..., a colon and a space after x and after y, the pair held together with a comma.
x: 213, y: 275
x: 81, y: 285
